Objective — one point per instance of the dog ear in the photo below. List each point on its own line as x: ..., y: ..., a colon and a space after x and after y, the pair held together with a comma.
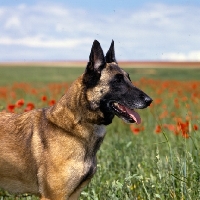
x: 110, y: 56
x: 95, y: 65
x: 96, y: 58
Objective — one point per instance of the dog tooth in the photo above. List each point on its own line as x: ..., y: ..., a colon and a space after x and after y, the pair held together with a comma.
x: 116, y: 104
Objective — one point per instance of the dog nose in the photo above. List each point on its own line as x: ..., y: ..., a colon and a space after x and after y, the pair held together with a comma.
x: 148, y: 100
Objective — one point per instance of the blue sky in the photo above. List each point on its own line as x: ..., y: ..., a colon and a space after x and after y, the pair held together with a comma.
x: 64, y: 30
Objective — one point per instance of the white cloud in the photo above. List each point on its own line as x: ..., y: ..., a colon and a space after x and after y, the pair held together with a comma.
x: 191, y: 56
x: 12, y: 22
x: 151, y: 32
x: 40, y: 42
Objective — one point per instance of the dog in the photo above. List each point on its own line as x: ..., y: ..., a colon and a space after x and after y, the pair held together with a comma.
x: 51, y: 152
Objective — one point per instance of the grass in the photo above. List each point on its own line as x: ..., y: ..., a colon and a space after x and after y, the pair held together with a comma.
x: 44, y: 75
x: 159, y: 159
x: 38, y: 75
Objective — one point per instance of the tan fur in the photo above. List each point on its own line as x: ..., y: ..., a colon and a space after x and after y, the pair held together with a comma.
x: 51, y: 152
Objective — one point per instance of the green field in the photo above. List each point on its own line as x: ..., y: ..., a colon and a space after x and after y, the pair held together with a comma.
x: 9, y: 75
x: 159, y: 159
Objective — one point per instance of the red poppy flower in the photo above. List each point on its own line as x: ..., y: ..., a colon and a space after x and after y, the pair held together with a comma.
x: 136, y: 130
x: 19, y: 103
x: 52, y: 102
x: 158, y: 129
x: 195, y: 127
x: 11, y: 107
x: 29, y: 106
x: 184, y: 128
x: 44, y: 98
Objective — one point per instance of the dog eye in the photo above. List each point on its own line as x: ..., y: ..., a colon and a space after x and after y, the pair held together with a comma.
x: 119, y: 78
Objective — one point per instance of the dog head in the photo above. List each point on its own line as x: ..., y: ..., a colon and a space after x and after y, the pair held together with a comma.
x: 109, y: 88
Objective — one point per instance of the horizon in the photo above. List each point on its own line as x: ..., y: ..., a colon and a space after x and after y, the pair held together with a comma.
x: 123, y: 64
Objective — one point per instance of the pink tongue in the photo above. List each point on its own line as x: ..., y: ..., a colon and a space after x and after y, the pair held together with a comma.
x: 134, y: 115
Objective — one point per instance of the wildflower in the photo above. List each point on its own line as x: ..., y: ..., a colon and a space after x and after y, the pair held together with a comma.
x: 34, y: 91
x: 158, y: 101
x: 52, y: 102
x: 195, y: 127
x: 173, y: 114
x: 44, y: 98
x: 184, y: 128
x: 194, y: 86
x: 184, y: 98
x: 19, y: 103
x: 136, y: 130
x: 11, y: 107
x: 170, y: 127
x: 173, y: 128
x: 158, y: 129
x: 185, y: 135
x: 29, y: 106
x: 164, y: 114
x: 176, y: 103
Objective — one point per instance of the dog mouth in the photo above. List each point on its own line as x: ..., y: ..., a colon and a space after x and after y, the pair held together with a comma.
x: 125, y: 113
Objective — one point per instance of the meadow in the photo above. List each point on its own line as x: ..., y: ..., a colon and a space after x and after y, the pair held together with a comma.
x: 159, y: 159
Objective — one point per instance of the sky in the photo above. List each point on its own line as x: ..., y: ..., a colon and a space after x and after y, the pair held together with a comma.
x: 63, y: 30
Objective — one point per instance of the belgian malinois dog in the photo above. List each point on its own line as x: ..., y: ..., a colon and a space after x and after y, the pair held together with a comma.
x: 51, y: 152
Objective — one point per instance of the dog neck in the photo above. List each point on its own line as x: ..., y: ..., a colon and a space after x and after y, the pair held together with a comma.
x: 73, y: 109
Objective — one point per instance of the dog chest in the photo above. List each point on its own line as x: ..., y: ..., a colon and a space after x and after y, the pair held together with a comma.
x: 89, y: 169
x: 96, y: 138
x: 91, y: 150
x: 99, y: 130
